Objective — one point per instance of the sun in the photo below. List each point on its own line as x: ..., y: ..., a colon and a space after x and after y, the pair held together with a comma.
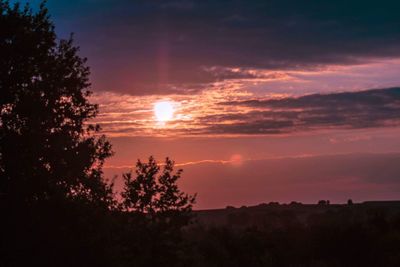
x: 163, y: 111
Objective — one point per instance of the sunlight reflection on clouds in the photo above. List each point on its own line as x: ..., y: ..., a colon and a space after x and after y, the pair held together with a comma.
x: 206, y: 112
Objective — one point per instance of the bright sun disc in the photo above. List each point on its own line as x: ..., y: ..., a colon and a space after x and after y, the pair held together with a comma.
x: 164, y: 111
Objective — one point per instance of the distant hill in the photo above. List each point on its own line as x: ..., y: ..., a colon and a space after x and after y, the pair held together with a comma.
x: 277, y: 215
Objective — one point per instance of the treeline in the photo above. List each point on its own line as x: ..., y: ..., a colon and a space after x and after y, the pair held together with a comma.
x: 72, y: 234
x: 292, y: 235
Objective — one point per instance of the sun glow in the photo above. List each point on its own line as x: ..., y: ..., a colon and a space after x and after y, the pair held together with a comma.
x: 163, y: 111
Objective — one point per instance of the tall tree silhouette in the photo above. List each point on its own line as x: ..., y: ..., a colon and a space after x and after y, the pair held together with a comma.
x: 54, y: 200
x: 47, y: 148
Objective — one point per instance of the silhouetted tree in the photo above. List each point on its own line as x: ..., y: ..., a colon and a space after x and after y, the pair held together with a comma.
x: 154, y: 190
x: 47, y: 148
x: 159, y: 209
x: 323, y: 202
x: 53, y: 197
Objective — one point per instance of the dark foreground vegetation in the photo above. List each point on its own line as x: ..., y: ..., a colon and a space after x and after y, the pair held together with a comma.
x: 366, y: 234
x: 57, y: 209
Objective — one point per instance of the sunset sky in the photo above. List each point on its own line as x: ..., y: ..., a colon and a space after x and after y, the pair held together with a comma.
x: 268, y: 100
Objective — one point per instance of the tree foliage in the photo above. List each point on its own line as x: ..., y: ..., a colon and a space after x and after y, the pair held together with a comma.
x: 47, y: 147
x: 155, y: 214
x: 54, y: 200
x: 154, y: 190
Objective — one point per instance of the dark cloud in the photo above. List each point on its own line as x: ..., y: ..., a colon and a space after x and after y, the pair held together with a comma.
x: 224, y: 73
x: 350, y: 110
x: 145, y: 47
x: 266, y: 126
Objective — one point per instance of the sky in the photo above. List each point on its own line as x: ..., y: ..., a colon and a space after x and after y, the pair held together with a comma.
x: 288, y: 100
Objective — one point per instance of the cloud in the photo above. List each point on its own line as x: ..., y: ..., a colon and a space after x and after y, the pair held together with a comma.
x: 224, y: 73
x: 349, y: 110
x: 231, y: 112
x: 159, y: 47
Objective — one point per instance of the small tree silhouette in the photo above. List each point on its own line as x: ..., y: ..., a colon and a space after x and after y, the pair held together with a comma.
x: 154, y: 204
x: 154, y: 190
